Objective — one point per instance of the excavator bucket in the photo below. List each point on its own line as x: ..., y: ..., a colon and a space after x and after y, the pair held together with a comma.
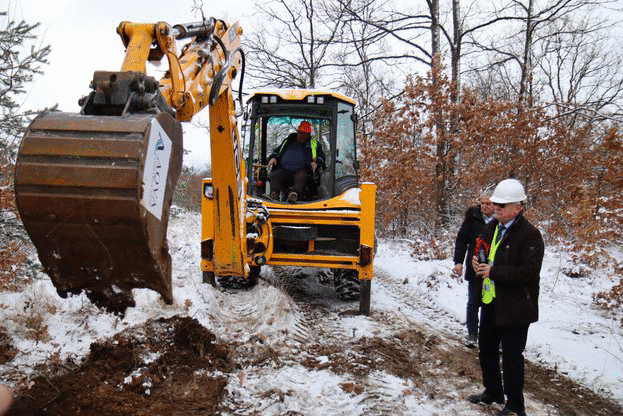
x: 94, y: 194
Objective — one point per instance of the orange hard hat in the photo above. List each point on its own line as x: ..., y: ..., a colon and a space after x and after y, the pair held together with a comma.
x: 305, y: 127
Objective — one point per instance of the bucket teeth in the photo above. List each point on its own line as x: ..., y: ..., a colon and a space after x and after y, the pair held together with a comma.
x: 94, y: 194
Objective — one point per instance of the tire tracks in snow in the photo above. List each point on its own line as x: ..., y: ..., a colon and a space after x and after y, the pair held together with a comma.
x: 414, y: 307
x: 325, y: 323
x: 314, y: 326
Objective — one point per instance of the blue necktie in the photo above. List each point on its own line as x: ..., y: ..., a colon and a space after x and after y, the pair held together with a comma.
x: 500, y: 233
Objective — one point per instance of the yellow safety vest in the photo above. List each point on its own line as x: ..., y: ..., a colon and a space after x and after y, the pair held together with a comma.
x: 488, y: 287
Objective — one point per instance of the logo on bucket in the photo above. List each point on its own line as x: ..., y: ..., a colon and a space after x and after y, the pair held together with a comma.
x: 156, y: 169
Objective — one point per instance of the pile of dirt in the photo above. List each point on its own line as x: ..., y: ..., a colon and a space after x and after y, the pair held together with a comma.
x: 168, y: 366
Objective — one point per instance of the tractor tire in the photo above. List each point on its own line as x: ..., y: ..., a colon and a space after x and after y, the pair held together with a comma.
x: 347, y: 285
x: 237, y: 282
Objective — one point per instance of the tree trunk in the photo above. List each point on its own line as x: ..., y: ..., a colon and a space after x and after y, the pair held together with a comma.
x: 456, y: 51
x: 435, y: 33
x: 441, y: 174
x: 526, y: 62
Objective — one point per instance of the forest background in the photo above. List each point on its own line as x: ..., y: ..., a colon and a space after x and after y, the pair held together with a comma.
x: 454, y: 96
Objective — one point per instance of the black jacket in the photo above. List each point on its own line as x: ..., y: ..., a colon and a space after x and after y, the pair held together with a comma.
x: 279, y: 150
x: 466, y: 239
x: 516, y: 272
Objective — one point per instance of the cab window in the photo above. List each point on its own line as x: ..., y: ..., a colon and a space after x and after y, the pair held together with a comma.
x: 279, y: 127
x: 345, y: 144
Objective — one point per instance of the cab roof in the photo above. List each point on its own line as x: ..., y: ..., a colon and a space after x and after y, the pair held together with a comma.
x: 301, y: 94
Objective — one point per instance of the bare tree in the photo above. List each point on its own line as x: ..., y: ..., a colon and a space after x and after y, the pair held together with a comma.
x: 527, y: 24
x: 582, y: 70
x: 293, y: 50
x: 362, y: 75
x: 435, y: 29
x: 405, y: 31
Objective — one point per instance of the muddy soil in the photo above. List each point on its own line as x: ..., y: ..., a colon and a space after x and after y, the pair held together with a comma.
x: 168, y: 367
x: 175, y: 366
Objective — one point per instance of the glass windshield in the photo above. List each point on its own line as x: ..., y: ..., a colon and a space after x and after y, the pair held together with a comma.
x: 280, y: 127
x: 345, y: 145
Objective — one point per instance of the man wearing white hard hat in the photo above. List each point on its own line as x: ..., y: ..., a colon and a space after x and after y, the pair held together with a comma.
x: 510, y: 297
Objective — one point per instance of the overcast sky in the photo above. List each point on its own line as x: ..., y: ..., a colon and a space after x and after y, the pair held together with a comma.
x: 83, y: 37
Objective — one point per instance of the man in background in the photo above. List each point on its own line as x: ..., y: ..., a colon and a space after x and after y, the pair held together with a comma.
x: 475, y: 219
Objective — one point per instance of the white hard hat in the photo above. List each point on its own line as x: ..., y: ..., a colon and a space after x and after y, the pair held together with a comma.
x: 507, y: 191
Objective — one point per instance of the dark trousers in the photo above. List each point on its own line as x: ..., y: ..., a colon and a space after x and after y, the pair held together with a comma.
x: 282, y: 180
x: 513, y: 339
x: 474, y: 293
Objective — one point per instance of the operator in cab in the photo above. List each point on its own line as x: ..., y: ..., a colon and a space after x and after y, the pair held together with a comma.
x: 292, y: 161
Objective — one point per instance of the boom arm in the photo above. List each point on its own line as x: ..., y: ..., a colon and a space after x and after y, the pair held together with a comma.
x: 202, y: 76
x: 94, y: 189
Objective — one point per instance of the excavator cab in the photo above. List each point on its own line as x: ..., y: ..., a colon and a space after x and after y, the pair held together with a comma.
x: 272, y: 116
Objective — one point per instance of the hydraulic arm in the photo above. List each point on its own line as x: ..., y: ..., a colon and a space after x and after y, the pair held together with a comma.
x: 94, y: 189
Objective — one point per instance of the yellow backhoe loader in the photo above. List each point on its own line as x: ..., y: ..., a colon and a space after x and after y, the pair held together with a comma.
x: 94, y: 188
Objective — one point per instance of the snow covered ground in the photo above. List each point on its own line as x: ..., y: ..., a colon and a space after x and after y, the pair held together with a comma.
x: 572, y: 336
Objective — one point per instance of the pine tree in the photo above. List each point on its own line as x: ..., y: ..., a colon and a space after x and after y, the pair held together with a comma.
x: 21, y: 60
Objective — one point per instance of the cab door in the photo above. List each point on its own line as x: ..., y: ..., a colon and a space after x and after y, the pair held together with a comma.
x: 345, y: 149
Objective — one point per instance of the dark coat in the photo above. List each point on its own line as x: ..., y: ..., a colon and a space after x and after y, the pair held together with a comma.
x: 279, y: 150
x: 466, y: 239
x: 516, y: 272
